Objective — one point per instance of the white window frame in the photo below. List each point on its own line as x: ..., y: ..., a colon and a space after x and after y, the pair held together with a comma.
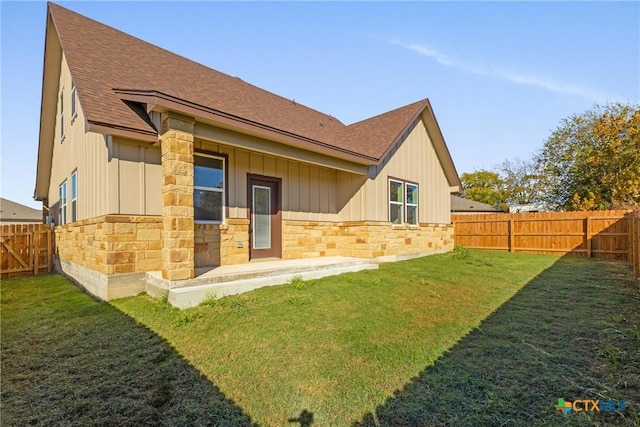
x: 407, y: 204
x: 62, y: 209
x: 390, y: 202
x: 253, y: 215
x: 74, y: 197
x: 220, y: 190
x: 62, y: 129
x: 403, y: 212
x: 74, y: 109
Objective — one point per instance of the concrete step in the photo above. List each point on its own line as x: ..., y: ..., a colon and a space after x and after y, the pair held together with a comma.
x: 253, y: 277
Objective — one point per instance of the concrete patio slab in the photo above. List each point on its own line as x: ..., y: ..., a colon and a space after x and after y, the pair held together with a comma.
x: 235, y: 279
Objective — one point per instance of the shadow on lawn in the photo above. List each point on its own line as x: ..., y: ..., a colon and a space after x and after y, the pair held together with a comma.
x: 572, y: 332
x: 70, y: 360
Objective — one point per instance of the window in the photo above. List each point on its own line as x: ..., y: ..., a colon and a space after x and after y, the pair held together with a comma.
x: 62, y: 204
x: 74, y: 196
x: 208, y: 188
x: 403, y: 202
x: 395, y: 201
x: 62, y: 115
x: 74, y: 111
x: 411, y: 203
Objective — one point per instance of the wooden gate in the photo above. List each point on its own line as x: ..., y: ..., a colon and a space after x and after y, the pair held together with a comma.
x: 25, y: 249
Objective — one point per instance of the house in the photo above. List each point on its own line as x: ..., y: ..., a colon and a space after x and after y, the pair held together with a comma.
x: 15, y: 213
x: 148, y: 161
x: 531, y: 207
x: 460, y: 205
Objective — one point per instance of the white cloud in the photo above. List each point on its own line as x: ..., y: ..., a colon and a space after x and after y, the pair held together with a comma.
x: 506, y: 75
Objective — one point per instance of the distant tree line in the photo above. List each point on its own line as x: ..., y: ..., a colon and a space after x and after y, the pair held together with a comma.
x: 590, y: 162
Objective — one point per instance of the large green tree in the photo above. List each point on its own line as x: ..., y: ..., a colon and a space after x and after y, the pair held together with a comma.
x: 592, y: 160
x: 484, y: 186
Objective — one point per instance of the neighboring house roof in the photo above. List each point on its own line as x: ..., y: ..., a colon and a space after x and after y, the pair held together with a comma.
x: 15, y: 212
x: 119, y: 78
x: 460, y: 204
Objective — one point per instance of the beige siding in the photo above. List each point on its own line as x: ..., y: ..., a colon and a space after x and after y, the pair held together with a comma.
x: 137, y: 173
x: 309, y: 192
x: 115, y: 175
x: 413, y: 160
x: 85, y: 152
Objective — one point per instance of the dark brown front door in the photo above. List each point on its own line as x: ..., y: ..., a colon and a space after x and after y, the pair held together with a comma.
x: 265, y: 227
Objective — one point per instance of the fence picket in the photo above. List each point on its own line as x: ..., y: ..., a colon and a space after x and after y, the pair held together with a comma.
x: 612, y: 235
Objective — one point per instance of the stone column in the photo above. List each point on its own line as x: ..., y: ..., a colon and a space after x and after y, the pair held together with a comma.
x: 177, y: 197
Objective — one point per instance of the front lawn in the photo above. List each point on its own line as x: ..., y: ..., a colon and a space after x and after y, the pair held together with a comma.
x: 465, y: 339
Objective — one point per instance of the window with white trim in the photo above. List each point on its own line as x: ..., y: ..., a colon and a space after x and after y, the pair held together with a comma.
x: 62, y: 203
x: 403, y: 202
x: 61, y: 114
x: 74, y: 196
x: 74, y: 111
x: 411, y: 203
x: 395, y: 201
x: 208, y: 188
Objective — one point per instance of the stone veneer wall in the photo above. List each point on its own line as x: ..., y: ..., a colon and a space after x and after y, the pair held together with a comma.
x: 95, y: 250
x: 112, y: 244
x: 234, y: 232
x: 207, y: 245
x: 363, y: 239
x: 217, y: 244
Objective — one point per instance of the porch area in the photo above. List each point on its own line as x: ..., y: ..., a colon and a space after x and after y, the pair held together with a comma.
x: 239, y: 278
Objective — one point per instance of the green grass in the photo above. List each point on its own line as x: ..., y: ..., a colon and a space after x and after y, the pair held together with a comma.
x: 70, y: 360
x: 415, y: 343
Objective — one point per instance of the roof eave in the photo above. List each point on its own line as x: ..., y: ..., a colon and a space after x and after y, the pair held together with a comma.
x: 50, y: 72
x: 440, y: 145
x: 160, y: 101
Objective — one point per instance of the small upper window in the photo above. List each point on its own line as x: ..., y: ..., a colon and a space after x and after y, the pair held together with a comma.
x: 74, y: 111
x: 62, y: 114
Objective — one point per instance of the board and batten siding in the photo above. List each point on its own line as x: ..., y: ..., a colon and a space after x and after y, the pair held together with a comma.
x: 309, y: 192
x: 135, y: 170
x: 115, y: 175
x: 86, y: 152
x: 413, y: 159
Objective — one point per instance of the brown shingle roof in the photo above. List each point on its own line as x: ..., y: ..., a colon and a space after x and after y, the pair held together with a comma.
x: 372, y: 137
x: 103, y: 60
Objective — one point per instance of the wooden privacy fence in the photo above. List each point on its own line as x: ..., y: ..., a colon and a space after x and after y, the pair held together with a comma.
x: 25, y: 249
x: 634, y: 235
x: 610, y: 235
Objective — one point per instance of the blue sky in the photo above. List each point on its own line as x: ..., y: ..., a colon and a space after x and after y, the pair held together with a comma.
x: 500, y: 75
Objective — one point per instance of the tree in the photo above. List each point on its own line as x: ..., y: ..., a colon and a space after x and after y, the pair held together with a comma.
x: 523, y: 181
x: 592, y: 160
x: 486, y: 187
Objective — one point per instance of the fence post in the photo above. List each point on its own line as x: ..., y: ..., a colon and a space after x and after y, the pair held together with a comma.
x: 510, y: 227
x: 587, y: 235
x: 50, y: 236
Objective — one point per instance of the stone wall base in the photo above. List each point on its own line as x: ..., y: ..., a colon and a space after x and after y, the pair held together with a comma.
x: 102, y: 286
